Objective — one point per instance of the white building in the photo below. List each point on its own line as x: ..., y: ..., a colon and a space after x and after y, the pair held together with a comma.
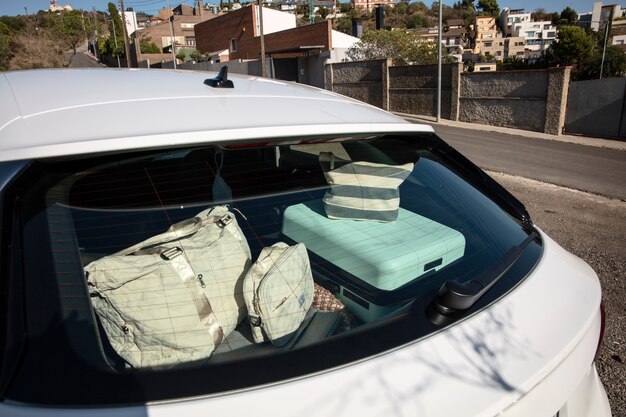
x: 509, y: 17
x: 130, y: 18
x: 54, y: 7
x: 539, y: 36
x: 274, y: 20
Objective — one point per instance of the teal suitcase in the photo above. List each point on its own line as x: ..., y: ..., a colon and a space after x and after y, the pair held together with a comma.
x: 385, y: 256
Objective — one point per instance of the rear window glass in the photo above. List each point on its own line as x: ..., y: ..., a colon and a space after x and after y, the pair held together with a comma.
x: 220, y: 257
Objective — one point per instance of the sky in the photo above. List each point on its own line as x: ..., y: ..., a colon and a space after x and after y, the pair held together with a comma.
x: 15, y: 7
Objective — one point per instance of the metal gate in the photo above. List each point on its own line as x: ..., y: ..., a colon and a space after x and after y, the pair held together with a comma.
x: 596, y: 108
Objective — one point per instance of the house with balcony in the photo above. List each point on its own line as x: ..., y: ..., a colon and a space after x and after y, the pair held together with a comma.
x: 509, y: 17
x: 453, y: 37
x: 538, y: 35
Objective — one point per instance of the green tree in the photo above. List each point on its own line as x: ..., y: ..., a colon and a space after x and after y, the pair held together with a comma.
x: 197, y: 55
x: 113, y: 44
x: 614, y: 65
x: 573, y: 46
x: 345, y: 7
x: 402, y: 47
x: 343, y: 24
x: 490, y: 7
x: 70, y: 29
x: 464, y: 5
x: 555, y: 17
x: 569, y: 15
x: 146, y: 46
x: 415, y: 21
x: 540, y: 14
x: 323, y: 11
x: 181, y: 54
x: 511, y: 63
x: 14, y: 23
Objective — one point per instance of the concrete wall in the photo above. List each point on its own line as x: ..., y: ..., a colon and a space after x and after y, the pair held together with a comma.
x: 413, y: 89
x: 530, y: 100
x: 597, y: 108
x: 234, y: 67
x: 363, y: 80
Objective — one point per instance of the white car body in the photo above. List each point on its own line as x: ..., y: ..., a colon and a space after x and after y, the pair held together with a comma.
x: 530, y: 353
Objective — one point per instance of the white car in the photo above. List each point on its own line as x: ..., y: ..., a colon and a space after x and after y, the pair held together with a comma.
x: 435, y: 294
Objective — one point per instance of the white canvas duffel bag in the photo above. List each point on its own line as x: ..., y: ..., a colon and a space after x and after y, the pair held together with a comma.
x: 173, y: 297
x: 278, y: 290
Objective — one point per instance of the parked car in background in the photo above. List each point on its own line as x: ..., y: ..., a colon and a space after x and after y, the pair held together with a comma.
x: 177, y: 243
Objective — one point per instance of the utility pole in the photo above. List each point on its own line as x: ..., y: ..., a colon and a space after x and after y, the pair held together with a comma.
x: 117, y: 55
x: 439, y: 42
x: 606, y: 38
x: 263, y: 64
x: 173, y: 45
x: 126, y: 45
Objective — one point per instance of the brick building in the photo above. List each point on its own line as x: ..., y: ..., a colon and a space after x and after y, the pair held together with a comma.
x: 238, y: 33
x: 294, y: 53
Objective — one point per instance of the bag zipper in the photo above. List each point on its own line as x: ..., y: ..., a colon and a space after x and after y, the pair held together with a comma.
x: 261, y: 285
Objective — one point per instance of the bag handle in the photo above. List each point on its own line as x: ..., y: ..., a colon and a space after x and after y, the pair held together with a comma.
x: 177, y: 231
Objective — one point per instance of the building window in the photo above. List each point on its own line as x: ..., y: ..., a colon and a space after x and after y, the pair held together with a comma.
x: 498, y: 53
x: 187, y: 26
x: 488, y: 44
x: 520, y: 53
x: 190, y: 41
x: 233, y: 45
x: 546, y: 27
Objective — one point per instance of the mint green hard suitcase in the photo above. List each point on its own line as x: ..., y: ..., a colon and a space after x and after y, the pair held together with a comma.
x: 385, y: 256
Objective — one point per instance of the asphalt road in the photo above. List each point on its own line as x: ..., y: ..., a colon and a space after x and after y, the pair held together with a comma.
x: 81, y: 60
x: 596, y: 170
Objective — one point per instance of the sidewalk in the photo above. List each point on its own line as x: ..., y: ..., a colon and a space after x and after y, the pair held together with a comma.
x: 579, y: 140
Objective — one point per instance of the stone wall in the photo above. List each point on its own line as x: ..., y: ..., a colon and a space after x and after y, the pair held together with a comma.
x: 531, y: 100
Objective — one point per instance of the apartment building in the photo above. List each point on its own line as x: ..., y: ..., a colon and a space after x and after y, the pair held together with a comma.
x: 501, y: 48
x: 509, y: 17
x: 539, y: 36
x: 486, y: 31
x: 453, y: 37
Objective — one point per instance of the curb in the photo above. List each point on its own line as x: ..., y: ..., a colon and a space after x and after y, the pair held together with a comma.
x: 577, y: 140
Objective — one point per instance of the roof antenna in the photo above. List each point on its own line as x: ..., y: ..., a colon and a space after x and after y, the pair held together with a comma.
x: 221, y: 81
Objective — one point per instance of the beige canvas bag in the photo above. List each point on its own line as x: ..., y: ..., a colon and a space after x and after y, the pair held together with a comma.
x: 278, y: 290
x: 176, y: 296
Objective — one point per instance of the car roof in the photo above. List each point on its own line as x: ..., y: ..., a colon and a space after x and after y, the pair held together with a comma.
x: 47, y: 113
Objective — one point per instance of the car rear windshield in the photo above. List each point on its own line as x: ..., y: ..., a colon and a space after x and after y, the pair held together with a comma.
x: 183, y: 272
